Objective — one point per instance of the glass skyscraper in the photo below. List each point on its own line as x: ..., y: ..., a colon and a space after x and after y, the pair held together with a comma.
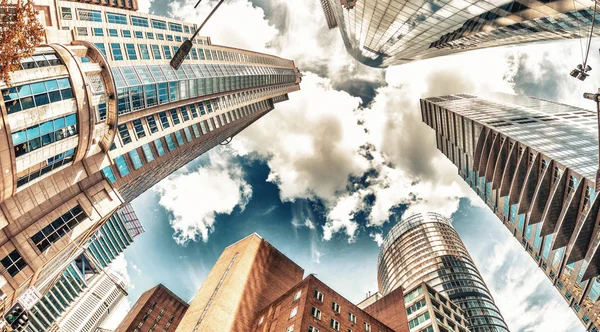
x: 381, y: 33
x: 424, y: 247
x: 533, y: 162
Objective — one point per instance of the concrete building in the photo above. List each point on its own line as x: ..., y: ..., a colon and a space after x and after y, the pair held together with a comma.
x: 424, y: 247
x: 97, y: 116
x: 381, y: 33
x: 157, y: 309
x: 254, y: 287
x: 534, y: 163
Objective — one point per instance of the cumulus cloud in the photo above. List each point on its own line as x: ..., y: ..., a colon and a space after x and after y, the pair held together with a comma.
x: 217, y: 188
x: 377, y: 237
x: 144, y: 6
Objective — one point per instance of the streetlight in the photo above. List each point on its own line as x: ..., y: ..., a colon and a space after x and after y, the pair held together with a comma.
x: 580, y: 72
x: 596, y: 97
x: 186, y: 47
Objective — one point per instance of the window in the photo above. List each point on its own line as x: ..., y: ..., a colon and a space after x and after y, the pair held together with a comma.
x: 139, y: 34
x: 290, y: 329
x: 113, y: 33
x: 138, y: 128
x: 179, y: 138
x: 139, y: 21
x: 415, y: 307
x: 297, y: 295
x: 194, y: 54
x: 131, y: 55
x: 167, y: 52
x: 315, y: 313
x: 156, y: 52
x: 149, y: 35
x: 46, y: 133
x: 367, y: 327
x: 334, y: 324
x: 126, y: 33
x: 122, y: 165
x: 164, y: 120
x: 193, y: 111
x: 170, y: 142
x: 44, y: 167
x: 156, y: 24
x: 108, y: 173
x: 159, y: 147
x: 419, y: 320
x: 188, y: 134
x: 175, y: 117
x: 151, y: 123
x: 335, y: 306
x: 101, y: 47
x: 58, y: 228
x: 115, y: 50
x: 124, y: 134
x: 144, y: 53
x: 169, y: 37
x: 352, y: 317
x: 195, y: 129
x: 36, y: 94
x: 116, y: 18
x: 135, y: 159
x: 318, y: 295
x: 184, y: 114
x: 13, y: 263
x: 175, y: 27
x: 177, y: 39
x: 312, y: 329
x: 99, y: 32
x: 160, y: 36
x: 89, y: 15
x: 293, y: 312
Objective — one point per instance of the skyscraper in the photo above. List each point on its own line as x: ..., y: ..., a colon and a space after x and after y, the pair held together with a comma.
x: 97, y: 116
x: 157, y: 309
x: 381, y: 33
x: 534, y: 163
x: 424, y: 247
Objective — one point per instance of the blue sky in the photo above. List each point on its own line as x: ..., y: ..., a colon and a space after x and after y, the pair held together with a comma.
x: 327, y: 173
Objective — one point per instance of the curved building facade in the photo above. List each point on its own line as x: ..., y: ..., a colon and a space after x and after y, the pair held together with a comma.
x: 425, y: 248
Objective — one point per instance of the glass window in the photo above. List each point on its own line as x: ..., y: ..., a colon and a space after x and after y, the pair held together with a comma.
x: 156, y: 52
x: 194, y: 54
x: 170, y: 142
x: 124, y: 134
x: 122, y: 165
x: 101, y: 47
x: 174, y: 116
x: 169, y: 37
x: 126, y: 33
x: 179, y: 138
x: 151, y: 123
x: 60, y: 227
x: 160, y: 36
x: 177, y: 39
x: 139, y: 34
x: 156, y: 24
x: 149, y: 35
x: 89, y: 15
x: 184, y: 114
x: 116, y: 18
x: 195, y: 129
x: 131, y: 55
x: 167, y: 52
x: 13, y: 263
x: 115, y: 50
x: 159, y: 147
x: 139, y: 128
x: 175, y: 27
x: 188, y: 134
x: 139, y: 21
x: 113, y: 32
x: 164, y: 121
x: 144, y: 54
x: 108, y: 173
x: 135, y: 159
x: 48, y: 132
x: 99, y: 32
x: 148, y: 152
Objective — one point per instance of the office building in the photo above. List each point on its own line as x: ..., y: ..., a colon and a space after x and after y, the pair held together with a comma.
x: 83, y: 295
x: 254, y: 287
x: 157, y: 309
x: 381, y: 33
x: 533, y: 162
x: 97, y: 116
x: 424, y: 247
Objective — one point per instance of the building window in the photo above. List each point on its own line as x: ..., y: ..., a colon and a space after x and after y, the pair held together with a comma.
x: 335, y: 306
x: 46, y: 133
x: 89, y: 15
x: 108, y: 173
x: 126, y: 33
x: 139, y: 21
x: 169, y: 37
x: 159, y: 147
x: 98, y: 32
x: 315, y: 313
x: 156, y: 52
x: 334, y: 324
x: 174, y: 117
x: 148, y: 154
x: 113, y: 33
x: 138, y: 128
x: 156, y: 24
x: 175, y: 27
x: 124, y: 134
x: 352, y: 317
x: 297, y: 295
x: 116, y: 18
x: 188, y: 134
x: 416, y: 321
x: 35, y: 171
x: 179, y: 138
x: 131, y: 55
x: 101, y: 48
x: 122, y: 165
x: 367, y: 327
x: 144, y: 53
x: 160, y: 36
x: 293, y: 312
x: 139, y: 34
x: 58, y: 228
x: 318, y: 295
x: 149, y: 35
x: 36, y: 94
x: 312, y: 329
x: 135, y: 159
x: 164, y: 120
x: 151, y: 123
x: 13, y: 263
x: 167, y: 52
x: 115, y: 50
x: 170, y: 142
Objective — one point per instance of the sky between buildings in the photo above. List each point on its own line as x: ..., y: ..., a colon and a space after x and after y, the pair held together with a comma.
x: 327, y: 173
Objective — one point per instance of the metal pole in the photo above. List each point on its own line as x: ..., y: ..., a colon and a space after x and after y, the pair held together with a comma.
x: 206, y: 19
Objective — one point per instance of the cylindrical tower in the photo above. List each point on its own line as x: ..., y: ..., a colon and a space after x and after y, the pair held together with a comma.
x: 425, y: 247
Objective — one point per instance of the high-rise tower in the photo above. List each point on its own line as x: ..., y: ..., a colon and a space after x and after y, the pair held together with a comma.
x: 381, y: 33
x: 425, y: 247
x: 97, y: 116
x: 534, y: 163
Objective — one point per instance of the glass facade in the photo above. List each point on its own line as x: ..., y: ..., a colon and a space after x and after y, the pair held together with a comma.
x: 381, y: 33
x: 425, y: 248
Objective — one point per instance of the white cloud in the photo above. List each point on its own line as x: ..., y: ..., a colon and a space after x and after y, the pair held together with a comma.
x: 377, y: 237
x: 136, y: 269
x: 315, y: 254
x: 195, y: 198
x: 144, y: 6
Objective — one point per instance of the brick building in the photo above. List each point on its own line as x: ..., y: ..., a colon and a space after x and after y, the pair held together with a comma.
x: 157, y: 309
